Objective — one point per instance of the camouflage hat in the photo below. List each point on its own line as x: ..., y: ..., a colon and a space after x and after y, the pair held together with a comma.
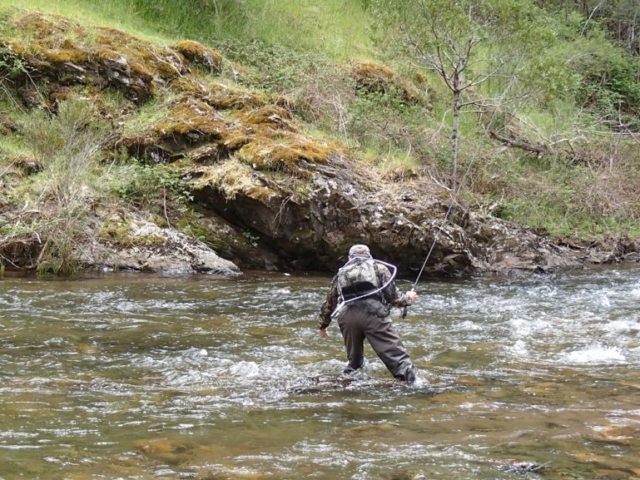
x: 359, y: 250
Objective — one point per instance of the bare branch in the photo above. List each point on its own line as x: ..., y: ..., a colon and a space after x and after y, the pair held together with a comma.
x: 516, y: 143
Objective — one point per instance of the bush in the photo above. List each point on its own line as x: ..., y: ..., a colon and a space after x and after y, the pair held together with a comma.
x: 67, y: 146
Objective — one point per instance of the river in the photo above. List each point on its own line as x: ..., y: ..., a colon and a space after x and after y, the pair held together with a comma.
x: 136, y: 376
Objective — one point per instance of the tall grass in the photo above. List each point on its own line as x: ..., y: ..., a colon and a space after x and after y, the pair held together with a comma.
x: 68, y: 147
x: 337, y: 28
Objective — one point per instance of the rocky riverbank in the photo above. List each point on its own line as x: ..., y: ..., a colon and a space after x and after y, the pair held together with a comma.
x: 258, y: 192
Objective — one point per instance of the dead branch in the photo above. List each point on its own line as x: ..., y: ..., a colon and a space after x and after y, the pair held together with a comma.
x: 536, y: 148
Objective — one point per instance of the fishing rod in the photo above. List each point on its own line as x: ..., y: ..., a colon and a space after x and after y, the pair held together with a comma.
x: 454, y: 198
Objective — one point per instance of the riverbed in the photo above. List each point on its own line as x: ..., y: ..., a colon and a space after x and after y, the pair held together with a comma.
x: 136, y: 376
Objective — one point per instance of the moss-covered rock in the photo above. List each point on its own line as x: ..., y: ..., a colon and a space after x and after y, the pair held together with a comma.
x: 134, y: 243
x: 200, y: 55
x: 373, y: 77
x: 55, y: 50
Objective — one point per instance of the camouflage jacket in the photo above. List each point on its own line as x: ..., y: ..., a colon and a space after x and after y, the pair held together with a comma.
x: 390, y: 295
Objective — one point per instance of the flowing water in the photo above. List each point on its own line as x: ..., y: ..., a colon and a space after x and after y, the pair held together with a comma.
x: 131, y: 376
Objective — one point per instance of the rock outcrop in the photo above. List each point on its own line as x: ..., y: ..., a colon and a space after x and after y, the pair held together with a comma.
x: 134, y: 244
x: 403, y: 224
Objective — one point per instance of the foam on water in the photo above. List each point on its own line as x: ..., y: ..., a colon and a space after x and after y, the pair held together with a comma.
x: 594, y: 355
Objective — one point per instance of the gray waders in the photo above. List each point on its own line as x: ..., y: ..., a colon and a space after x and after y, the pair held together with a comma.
x: 369, y: 318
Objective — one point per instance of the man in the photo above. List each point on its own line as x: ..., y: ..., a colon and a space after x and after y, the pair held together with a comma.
x: 360, y: 298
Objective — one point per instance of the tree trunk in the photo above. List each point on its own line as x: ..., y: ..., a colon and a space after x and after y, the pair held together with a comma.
x: 455, y: 136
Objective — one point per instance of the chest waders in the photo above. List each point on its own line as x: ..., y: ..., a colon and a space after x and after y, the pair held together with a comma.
x: 369, y: 319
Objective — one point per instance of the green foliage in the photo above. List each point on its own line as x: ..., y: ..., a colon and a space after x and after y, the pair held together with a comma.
x: 337, y: 28
x: 465, y: 43
x: 67, y: 145
x: 603, y: 77
x: 455, y: 29
x: 611, y: 87
x: 619, y: 19
x: 184, y: 19
x: 146, y: 184
x: 272, y: 67
x: 11, y: 65
x: 547, y: 78
x: 564, y: 197
x: 384, y: 121
x: 251, y: 238
x: 58, y: 255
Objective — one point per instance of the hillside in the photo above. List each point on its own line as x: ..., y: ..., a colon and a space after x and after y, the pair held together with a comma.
x: 277, y: 153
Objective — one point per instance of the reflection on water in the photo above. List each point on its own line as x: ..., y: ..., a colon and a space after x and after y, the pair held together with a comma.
x: 140, y: 377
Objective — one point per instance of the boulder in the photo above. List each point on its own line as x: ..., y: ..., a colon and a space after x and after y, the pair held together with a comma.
x: 135, y: 244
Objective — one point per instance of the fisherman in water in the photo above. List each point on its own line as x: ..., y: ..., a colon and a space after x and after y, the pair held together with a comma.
x: 360, y: 298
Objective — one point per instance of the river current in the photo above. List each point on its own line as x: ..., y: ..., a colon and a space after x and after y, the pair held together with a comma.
x: 135, y: 376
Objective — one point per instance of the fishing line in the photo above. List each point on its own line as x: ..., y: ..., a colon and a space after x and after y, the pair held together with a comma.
x: 435, y: 239
x: 454, y: 200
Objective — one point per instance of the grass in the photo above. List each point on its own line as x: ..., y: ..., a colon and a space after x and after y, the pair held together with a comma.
x: 92, y: 13
x: 336, y: 28
x: 60, y: 196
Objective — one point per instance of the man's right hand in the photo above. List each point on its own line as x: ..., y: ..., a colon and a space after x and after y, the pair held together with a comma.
x: 323, y: 332
x: 412, y: 296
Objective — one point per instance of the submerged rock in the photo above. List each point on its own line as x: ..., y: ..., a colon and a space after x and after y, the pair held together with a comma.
x: 515, y: 466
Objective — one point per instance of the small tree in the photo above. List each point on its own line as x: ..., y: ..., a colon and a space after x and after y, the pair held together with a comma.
x: 465, y: 42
